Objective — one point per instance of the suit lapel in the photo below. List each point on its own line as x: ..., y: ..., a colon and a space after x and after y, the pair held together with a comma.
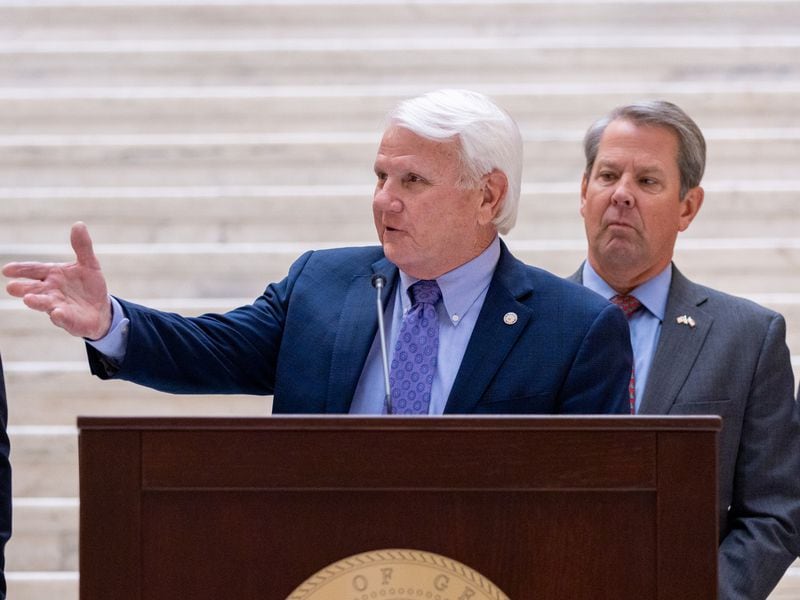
x: 492, y: 339
x: 358, y: 323
x: 678, y: 345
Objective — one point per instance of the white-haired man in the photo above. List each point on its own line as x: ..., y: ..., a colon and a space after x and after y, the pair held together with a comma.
x: 471, y: 329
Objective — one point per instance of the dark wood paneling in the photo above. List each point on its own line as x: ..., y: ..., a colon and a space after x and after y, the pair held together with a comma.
x: 545, y: 507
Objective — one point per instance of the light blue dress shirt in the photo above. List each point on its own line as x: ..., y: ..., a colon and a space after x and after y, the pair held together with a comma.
x: 463, y: 292
x: 645, y: 324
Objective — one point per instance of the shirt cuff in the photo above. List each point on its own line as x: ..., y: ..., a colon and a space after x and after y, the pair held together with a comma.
x: 114, y: 344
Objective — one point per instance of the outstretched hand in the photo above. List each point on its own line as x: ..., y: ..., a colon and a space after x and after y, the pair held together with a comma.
x: 73, y: 294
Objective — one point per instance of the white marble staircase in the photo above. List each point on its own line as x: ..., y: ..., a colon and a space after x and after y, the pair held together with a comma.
x: 207, y: 143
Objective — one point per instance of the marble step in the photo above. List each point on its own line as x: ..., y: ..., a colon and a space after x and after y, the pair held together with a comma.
x: 209, y: 214
x: 437, y: 61
x: 78, y: 21
x: 252, y: 109
x: 324, y: 159
x: 55, y: 394
x: 45, y: 535
x: 37, y: 585
x: 28, y: 337
x: 789, y: 587
x: 243, y: 270
x: 44, y: 461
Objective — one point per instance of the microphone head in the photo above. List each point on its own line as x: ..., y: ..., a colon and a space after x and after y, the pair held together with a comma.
x: 378, y: 281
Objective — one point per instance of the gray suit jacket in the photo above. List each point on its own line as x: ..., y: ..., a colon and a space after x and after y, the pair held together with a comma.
x: 735, y: 363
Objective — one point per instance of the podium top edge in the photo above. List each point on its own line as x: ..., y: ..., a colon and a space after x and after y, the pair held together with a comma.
x: 447, y: 422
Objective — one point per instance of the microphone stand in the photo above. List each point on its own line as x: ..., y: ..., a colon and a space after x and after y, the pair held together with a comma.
x: 378, y: 281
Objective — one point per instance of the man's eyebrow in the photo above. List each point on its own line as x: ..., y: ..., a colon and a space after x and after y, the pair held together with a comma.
x: 605, y: 162
x: 610, y: 162
x: 651, y: 169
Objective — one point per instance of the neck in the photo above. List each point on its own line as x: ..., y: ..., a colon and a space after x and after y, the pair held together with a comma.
x: 624, y: 280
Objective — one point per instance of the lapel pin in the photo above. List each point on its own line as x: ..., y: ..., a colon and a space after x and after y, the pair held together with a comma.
x: 510, y: 318
x: 686, y: 320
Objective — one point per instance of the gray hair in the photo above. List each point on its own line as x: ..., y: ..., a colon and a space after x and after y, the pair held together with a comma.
x: 658, y: 113
x: 489, y: 138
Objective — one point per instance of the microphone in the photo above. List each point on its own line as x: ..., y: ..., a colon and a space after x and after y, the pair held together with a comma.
x: 378, y: 281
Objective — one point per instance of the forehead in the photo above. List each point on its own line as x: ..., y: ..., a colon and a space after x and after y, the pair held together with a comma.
x: 653, y: 146
x: 402, y: 148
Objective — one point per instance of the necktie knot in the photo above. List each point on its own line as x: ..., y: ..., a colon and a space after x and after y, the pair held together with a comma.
x: 425, y: 291
x: 628, y: 304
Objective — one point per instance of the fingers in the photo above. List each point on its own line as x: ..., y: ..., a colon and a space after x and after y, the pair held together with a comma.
x: 28, y: 270
x: 32, y: 278
x: 41, y: 302
x: 18, y: 289
x: 87, y: 323
x: 82, y: 245
x: 58, y: 317
x: 74, y: 295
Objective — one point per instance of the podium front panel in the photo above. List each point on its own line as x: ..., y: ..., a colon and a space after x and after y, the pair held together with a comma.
x: 544, y: 507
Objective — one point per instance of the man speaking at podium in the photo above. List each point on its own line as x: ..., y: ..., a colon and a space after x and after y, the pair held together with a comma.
x: 469, y: 328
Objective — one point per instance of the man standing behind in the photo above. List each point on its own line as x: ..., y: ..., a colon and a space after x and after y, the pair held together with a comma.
x: 696, y: 350
x: 472, y: 329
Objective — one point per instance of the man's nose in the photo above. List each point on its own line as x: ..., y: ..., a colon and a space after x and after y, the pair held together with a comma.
x: 623, y: 194
x: 386, y: 199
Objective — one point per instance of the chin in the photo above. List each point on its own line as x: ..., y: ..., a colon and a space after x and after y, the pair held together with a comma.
x: 616, y: 251
x: 394, y: 254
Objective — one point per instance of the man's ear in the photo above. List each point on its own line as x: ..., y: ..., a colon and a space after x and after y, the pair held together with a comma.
x: 494, y: 186
x: 584, y: 185
x: 690, y: 206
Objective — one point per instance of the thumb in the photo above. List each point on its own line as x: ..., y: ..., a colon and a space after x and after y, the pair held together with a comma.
x: 82, y: 245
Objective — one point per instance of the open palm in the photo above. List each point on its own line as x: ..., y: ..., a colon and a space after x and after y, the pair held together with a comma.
x: 74, y: 294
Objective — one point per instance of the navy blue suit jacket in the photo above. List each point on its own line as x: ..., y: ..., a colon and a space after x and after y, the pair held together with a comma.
x: 306, y: 340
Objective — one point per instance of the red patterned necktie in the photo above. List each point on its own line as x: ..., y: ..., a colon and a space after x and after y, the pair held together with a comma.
x: 415, y: 353
x: 629, y: 305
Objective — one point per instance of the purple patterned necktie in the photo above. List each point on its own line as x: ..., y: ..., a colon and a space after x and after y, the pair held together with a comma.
x: 629, y: 305
x: 414, y: 359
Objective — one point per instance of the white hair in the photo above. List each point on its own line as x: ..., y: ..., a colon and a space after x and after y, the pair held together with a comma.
x: 489, y: 138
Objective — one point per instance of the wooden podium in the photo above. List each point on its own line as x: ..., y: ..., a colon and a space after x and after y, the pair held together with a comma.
x: 544, y: 507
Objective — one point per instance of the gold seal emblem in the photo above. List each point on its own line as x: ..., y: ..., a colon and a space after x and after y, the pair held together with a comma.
x: 397, y: 575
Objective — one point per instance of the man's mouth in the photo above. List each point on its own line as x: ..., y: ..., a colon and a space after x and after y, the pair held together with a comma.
x: 619, y: 224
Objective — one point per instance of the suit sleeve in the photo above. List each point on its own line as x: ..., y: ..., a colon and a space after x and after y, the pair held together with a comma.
x: 235, y: 352
x: 5, y: 484
x: 597, y: 382
x: 764, y: 515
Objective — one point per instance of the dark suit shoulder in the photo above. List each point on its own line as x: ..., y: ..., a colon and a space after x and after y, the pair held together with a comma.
x: 725, y: 307
x: 349, y: 253
x: 326, y: 271
x: 567, y: 294
x: 340, y: 261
